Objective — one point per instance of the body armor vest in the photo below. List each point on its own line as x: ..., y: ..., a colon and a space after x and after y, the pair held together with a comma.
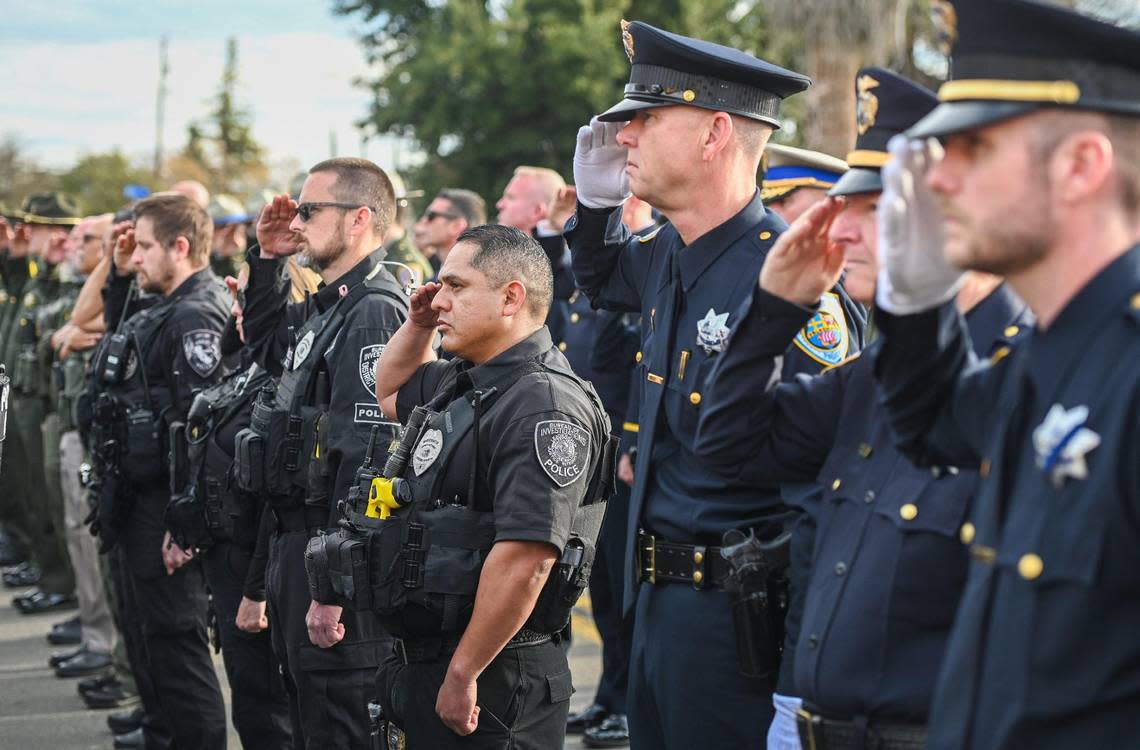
x: 283, y: 453
x: 419, y: 568
x: 207, y: 505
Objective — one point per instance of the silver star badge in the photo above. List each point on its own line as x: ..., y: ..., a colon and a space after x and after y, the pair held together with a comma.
x: 1062, y: 442
x: 712, y: 331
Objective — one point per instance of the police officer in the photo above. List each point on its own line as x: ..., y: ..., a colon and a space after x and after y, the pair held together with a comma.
x: 687, y: 281
x: 795, y: 179
x: 303, y: 455
x: 510, y: 467
x: 153, y: 360
x: 887, y: 569
x: 49, y: 217
x: 1036, y: 179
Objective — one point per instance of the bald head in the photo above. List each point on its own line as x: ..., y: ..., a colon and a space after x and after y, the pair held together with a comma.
x: 193, y: 190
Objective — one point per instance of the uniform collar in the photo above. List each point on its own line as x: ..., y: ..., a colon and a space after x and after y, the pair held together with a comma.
x: 328, y: 294
x: 694, y: 259
x: 194, y: 281
x: 998, y: 316
x: 487, y: 373
x: 1084, y: 319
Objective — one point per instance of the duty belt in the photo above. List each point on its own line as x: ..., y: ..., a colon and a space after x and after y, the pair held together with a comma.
x: 308, y: 518
x: 819, y: 733
x: 659, y: 561
x: 433, y: 647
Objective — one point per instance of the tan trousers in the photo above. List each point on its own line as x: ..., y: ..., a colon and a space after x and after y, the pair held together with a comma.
x: 99, y: 632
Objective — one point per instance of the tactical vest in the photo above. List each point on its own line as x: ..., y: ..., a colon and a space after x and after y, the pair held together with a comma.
x: 419, y: 568
x: 208, y: 506
x: 283, y: 455
x: 28, y: 377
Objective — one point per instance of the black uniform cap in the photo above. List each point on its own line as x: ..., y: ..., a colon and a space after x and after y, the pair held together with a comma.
x: 886, y: 104
x: 672, y: 69
x: 56, y: 209
x: 1011, y: 57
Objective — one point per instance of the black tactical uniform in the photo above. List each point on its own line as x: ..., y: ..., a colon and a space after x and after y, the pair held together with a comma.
x: 511, y: 450
x: 307, y: 438
x: 147, y: 372
x: 211, y: 512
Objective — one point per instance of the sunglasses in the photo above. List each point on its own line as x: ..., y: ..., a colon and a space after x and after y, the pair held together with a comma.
x: 306, y: 210
x: 433, y: 215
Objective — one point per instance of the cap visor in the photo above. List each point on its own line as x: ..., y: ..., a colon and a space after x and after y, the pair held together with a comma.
x: 624, y: 110
x: 949, y: 118
x: 858, y: 181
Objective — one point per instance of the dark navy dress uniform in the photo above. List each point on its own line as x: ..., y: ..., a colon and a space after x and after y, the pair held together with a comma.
x: 887, y: 567
x: 1044, y: 653
x: 600, y: 346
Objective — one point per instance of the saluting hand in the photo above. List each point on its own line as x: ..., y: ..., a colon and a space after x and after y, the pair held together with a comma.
x: 599, y: 165
x: 804, y: 263
x: 455, y: 704
x: 562, y: 207
x: 420, y: 311
x: 274, y: 236
x: 124, y: 249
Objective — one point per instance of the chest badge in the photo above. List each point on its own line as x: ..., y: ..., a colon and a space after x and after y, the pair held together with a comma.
x: 712, y: 331
x: 427, y: 451
x: 1062, y: 441
x: 304, y: 346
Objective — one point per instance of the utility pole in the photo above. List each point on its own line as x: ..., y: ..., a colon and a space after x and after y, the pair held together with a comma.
x: 332, y: 143
x: 160, y: 107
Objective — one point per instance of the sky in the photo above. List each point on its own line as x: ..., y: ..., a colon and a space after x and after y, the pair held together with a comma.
x: 80, y: 76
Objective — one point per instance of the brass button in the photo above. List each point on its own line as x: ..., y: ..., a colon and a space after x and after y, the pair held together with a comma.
x: 865, y: 450
x: 1011, y: 331
x: 698, y: 576
x: 1030, y: 566
x: 698, y: 557
x: 637, y: 357
x: 967, y: 533
x: 908, y: 512
x: 694, y: 398
x: 689, y: 95
x: 562, y: 346
x: 984, y: 469
x: 836, y: 484
x: 1136, y: 301
x: 575, y: 317
x: 765, y: 235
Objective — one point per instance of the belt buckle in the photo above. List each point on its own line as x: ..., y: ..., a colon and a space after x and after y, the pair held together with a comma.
x: 647, y: 556
x: 809, y: 722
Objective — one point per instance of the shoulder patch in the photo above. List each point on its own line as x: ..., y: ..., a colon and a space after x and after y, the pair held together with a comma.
x: 825, y: 338
x: 369, y: 356
x: 301, y: 351
x: 202, y: 349
x: 562, y: 449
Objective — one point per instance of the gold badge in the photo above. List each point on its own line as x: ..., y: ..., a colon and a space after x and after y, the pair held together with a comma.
x: 627, y: 39
x: 945, y: 20
x: 867, y: 104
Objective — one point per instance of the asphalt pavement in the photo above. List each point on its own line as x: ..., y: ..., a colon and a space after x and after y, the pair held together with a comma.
x: 39, y: 710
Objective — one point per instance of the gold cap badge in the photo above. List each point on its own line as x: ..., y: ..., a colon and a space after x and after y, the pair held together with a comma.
x: 867, y: 104
x: 627, y: 39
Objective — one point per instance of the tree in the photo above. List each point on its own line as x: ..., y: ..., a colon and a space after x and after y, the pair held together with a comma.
x: 221, y: 150
x: 20, y: 175
x: 97, y: 180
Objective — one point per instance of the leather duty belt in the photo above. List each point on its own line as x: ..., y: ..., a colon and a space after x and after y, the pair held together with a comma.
x: 819, y: 733
x: 659, y: 561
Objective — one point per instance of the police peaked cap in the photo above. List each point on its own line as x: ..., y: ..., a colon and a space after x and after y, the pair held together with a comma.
x: 672, y: 69
x: 1011, y: 57
x: 886, y: 104
x: 787, y: 168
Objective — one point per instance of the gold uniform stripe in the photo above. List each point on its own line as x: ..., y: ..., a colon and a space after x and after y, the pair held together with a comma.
x: 630, y: 426
x: 67, y: 221
x: 1055, y: 92
x: 867, y: 158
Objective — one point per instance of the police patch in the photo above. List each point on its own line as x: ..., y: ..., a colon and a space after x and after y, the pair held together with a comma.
x: 203, y: 350
x: 824, y: 338
x: 427, y: 450
x: 369, y: 355
x: 563, y: 450
x: 367, y: 412
x: 304, y: 346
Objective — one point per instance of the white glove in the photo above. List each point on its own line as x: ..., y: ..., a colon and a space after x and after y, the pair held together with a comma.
x: 914, y: 274
x: 599, y: 166
x: 782, y: 733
